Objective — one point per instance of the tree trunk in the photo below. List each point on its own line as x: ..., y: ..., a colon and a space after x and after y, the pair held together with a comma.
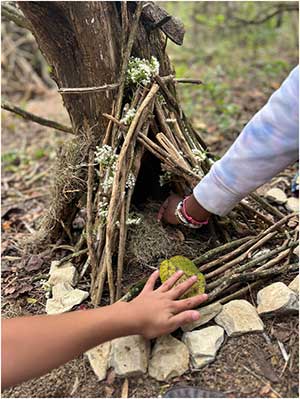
x: 81, y: 42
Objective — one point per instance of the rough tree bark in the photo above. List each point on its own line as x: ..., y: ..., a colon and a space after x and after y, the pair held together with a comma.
x: 82, y: 43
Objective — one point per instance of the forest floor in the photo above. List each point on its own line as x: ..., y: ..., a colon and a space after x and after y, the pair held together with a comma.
x: 246, y: 366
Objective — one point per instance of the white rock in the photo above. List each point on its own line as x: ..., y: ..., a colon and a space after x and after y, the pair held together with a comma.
x: 130, y: 355
x: 65, y: 302
x: 239, y: 317
x: 294, y: 285
x: 296, y: 251
x: 276, y: 298
x: 292, y: 204
x: 203, y: 344
x: 65, y: 273
x: 99, y: 359
x: 207, y: 313
x: 276, y: 195
x: 61, y: 289
x: 169, y: 358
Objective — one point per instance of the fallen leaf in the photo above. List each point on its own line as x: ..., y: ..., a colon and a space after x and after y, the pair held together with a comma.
x: 31, y: 300
x: 34, y: 263
x: 111, y: 375
x: 6, y: 225
x: 124, y: 392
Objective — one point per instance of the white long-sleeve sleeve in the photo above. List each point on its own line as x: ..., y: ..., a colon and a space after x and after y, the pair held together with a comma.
x: 267, y: 145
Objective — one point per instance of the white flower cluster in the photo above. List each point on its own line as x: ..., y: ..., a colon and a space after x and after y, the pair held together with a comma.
x: 199, y: 155
x: 103, y: 210
x: 165, y: 178
x: 140, y: 71
x: 105, y: 155
x: 130, y: 181
x: 197, y: 169
x: 133, y: 220
x: 128, y: 116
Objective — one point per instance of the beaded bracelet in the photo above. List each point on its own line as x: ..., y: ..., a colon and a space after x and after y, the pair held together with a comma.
x: 182, y: 220
x: 189, y: 218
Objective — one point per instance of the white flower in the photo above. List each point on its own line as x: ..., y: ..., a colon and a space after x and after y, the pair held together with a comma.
x: 140, y: 71
x: 165, y: 178
x: 199, y: 155
x: 103, y: 210
x: 127, y: 119
x: 105, y: 155
x: 130, y: 181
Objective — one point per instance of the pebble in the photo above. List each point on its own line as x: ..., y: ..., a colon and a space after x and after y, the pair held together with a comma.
x: 238, y: 317
x: 207, y: 313
x: 294, y: 285
x: 277, y: 298
x: 65, y: 302
x: 169, y: 358
x: 130, y: 355
x: 204, y: 344
x: 292, y: 204
x: 99, y: 359
x: 276, y: 195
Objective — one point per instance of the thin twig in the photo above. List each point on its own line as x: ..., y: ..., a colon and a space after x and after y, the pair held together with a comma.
x: 34, y: 118
x: 87, y: 90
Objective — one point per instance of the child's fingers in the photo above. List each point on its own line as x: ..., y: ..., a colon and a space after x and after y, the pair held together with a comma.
x: 189, y: 303
x: 162, y: 210
x: 149, y: 286
x: 167, y: 285
x: 185, y: 317
x: 181, y: 289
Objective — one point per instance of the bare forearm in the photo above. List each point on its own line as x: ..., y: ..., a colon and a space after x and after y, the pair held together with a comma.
x: 32, y: 346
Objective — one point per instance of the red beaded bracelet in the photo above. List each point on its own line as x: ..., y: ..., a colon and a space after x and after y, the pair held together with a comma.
x: 189, y: 218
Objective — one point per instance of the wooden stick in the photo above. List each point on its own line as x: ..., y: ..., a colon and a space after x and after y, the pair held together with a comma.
x: 252, y: 263
x: 217, y: 251
x: 242, y: 257
x: 265, y: 205
x: 89, y: 208
x: 87, y: 90
x: 246, y: 277
x: 34, y: 118
x: 245, y: 246
x: 263, y: 217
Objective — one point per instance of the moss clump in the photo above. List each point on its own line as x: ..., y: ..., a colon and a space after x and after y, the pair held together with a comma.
x: 169, y: 266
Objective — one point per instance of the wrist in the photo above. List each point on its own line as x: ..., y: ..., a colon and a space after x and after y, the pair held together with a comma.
x: 128, y: 321
x: 195, y: 210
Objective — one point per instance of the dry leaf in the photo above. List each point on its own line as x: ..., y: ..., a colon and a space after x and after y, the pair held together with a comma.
x: 31, y: 300
x: 108, y: 391
x: 6, y: 225
x: 111, y: 375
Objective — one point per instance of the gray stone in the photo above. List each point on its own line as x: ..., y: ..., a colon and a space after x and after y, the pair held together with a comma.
x: 65, y: 302
x: 277, y: 298
x: 130, y: 355
x: 294, y: 285
x: 207, y: 313
x: 99, y: 359
x: 204, y: 344
x: 65, y: 273
x: 276, y: 195
x: 292, y: 204
x: 169, y: 358
x: 238, y: 317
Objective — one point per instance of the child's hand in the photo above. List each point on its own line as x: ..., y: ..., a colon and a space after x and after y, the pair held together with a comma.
x: 157, y: 312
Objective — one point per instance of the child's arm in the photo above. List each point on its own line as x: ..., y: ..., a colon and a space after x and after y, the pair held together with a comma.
x: 32, y: 346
